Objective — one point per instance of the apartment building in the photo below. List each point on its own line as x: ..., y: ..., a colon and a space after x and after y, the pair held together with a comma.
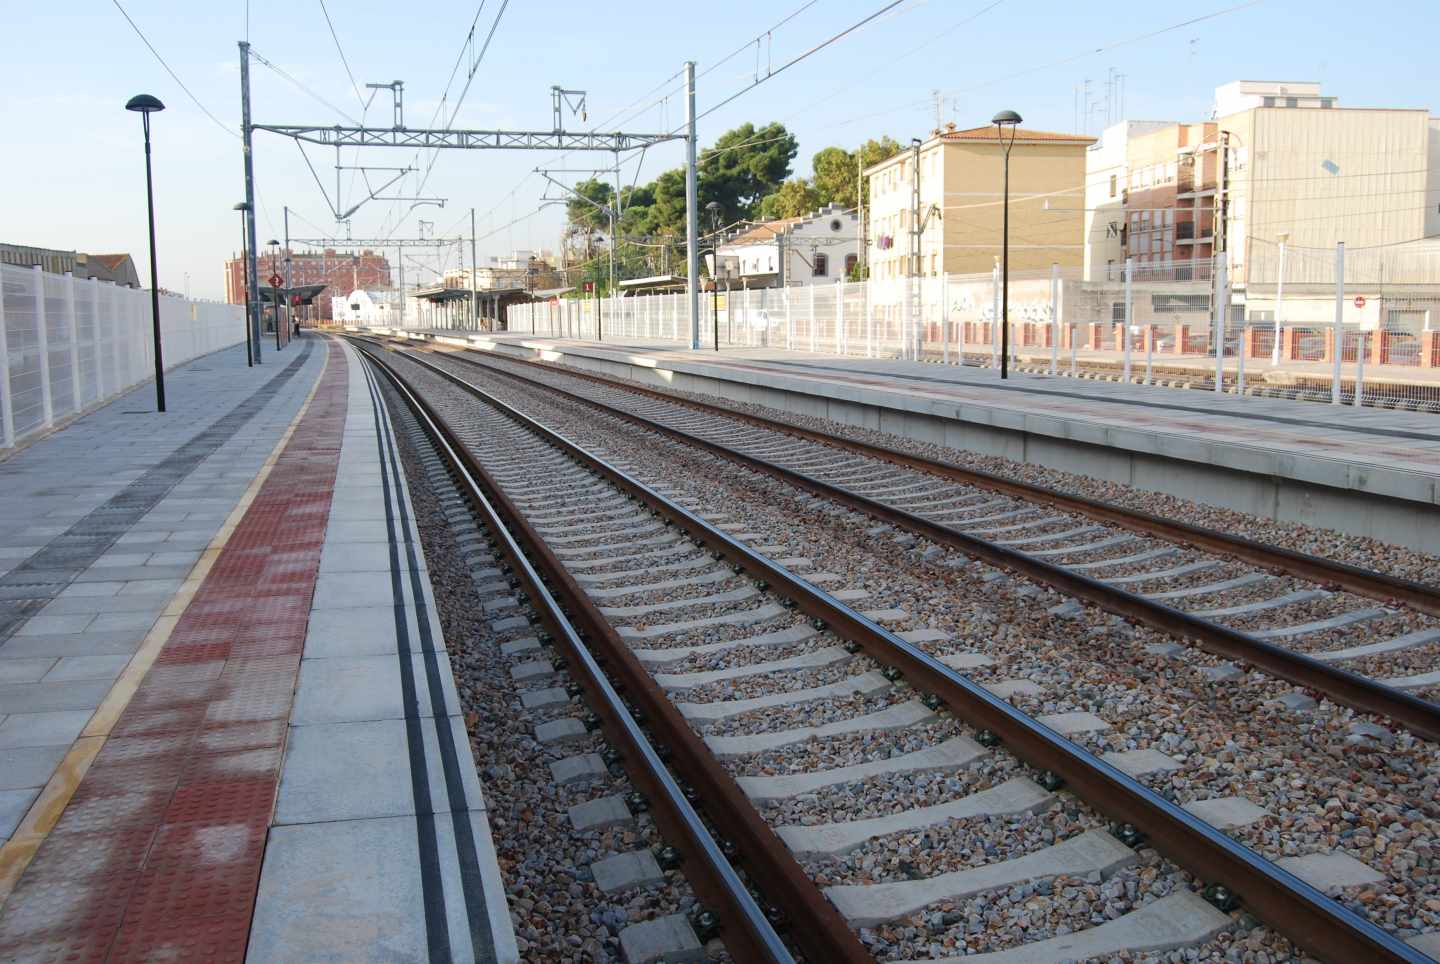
x: 960, y: 206
x: 1278, y: 161
x: 338, y: 272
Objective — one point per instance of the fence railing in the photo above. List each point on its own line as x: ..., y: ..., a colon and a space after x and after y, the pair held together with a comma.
x: 68, y: 343
x: 1141, y: 325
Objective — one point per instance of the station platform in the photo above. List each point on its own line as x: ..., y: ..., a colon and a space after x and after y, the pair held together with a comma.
x: 1370, y: 472
x: 228, y: 725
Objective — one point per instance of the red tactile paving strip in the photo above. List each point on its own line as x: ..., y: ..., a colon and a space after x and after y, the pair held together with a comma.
x: 157, y: 855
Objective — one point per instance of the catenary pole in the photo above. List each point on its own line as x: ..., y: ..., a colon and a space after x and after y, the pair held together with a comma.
x: 474, y: 270
x: 289, y: 322
x: 692, y: 210
x: 253, y: 261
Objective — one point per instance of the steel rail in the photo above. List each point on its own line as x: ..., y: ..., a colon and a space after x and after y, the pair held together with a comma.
x: 1362, y: 693
x: 1376, y: 585
x: 747, y: 933
x: 1302, y: 913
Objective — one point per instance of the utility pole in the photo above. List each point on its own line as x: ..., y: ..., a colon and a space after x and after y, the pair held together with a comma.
x: 400, y: 260
x: 474, y: 270
x: 860, y: 206
x: 692, y: 205
x: 289, y: 323
x: 912, y: 283
x: 249, y: 153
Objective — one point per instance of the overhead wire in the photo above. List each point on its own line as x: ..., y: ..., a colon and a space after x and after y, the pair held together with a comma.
x: 304, y: 88
x: 173, y: 76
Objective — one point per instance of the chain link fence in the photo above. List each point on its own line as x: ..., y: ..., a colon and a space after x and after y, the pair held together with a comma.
x: 67, y: 344
x: 1313, y: 325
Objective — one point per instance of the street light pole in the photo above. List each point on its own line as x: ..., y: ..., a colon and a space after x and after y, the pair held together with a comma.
x: 242, y: 207
x: 714, y: 209
x: 145, y: 105
x: 275, y: 288
x: 1006, y: 118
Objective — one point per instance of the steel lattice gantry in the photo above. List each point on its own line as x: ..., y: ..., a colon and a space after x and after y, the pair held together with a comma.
x: 419, y: 137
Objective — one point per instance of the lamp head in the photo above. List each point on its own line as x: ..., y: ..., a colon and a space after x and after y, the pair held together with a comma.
x: 1006, y: 118
x: 242, y: 206
x: 144, y: 104
x: 272, y: 242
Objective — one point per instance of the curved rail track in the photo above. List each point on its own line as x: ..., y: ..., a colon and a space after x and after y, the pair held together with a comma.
x: 1234, y: 597
x: 612, y: 550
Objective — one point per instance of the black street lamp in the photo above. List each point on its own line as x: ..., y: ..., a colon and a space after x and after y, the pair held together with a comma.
x: 274, y: 246
x: 145, y: 105
x: 242, y: 207
x: 1002, y: 120
x: 714, y: 208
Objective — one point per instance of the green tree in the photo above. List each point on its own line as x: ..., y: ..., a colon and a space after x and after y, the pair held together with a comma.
x: 744, y: 166
x: 836, y: 176
x: 584, y: 214
x: 873, y: 152
x: 793, y: 199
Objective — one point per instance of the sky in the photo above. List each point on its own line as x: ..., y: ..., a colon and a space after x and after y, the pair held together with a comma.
x: 72, y: 162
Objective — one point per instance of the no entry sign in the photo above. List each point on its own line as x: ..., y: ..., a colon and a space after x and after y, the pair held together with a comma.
x: 1359, y: 301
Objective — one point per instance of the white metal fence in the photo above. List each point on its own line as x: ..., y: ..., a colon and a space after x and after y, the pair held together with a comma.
x: 68, y: 343
x: 1146, y: 324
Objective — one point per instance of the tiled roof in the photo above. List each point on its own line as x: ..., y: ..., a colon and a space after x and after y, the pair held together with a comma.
x: 766, y: 231
x: 987, y: 133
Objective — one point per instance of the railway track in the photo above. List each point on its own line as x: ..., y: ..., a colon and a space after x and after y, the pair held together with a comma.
x: 662, y: 601
x: 1292, y: 615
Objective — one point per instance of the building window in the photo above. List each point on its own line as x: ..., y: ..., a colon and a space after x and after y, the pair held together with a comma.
x: 851, y: 260
x: 934, y: 263
x: 822, y: 266
x: 1113, y: 180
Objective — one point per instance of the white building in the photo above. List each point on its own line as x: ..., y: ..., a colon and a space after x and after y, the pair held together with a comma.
x: 1239, y: 95
x: 815, y: 248
x: 361, y: 307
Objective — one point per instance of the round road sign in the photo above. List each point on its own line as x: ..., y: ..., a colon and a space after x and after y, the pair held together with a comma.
x: 1359, y: 301
x: 275, y: 280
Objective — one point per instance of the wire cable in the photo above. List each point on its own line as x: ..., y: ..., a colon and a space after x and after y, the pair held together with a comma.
x: 173, y: 76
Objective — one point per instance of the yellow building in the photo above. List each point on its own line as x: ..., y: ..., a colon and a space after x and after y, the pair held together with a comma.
x: 961, y: 207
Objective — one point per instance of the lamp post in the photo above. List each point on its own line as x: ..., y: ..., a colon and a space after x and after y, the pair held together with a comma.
x: 145, y: 105
x: 274, y: 247
x: 242, y: 207
x: 1002, y: 120
x: 714, y: 208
